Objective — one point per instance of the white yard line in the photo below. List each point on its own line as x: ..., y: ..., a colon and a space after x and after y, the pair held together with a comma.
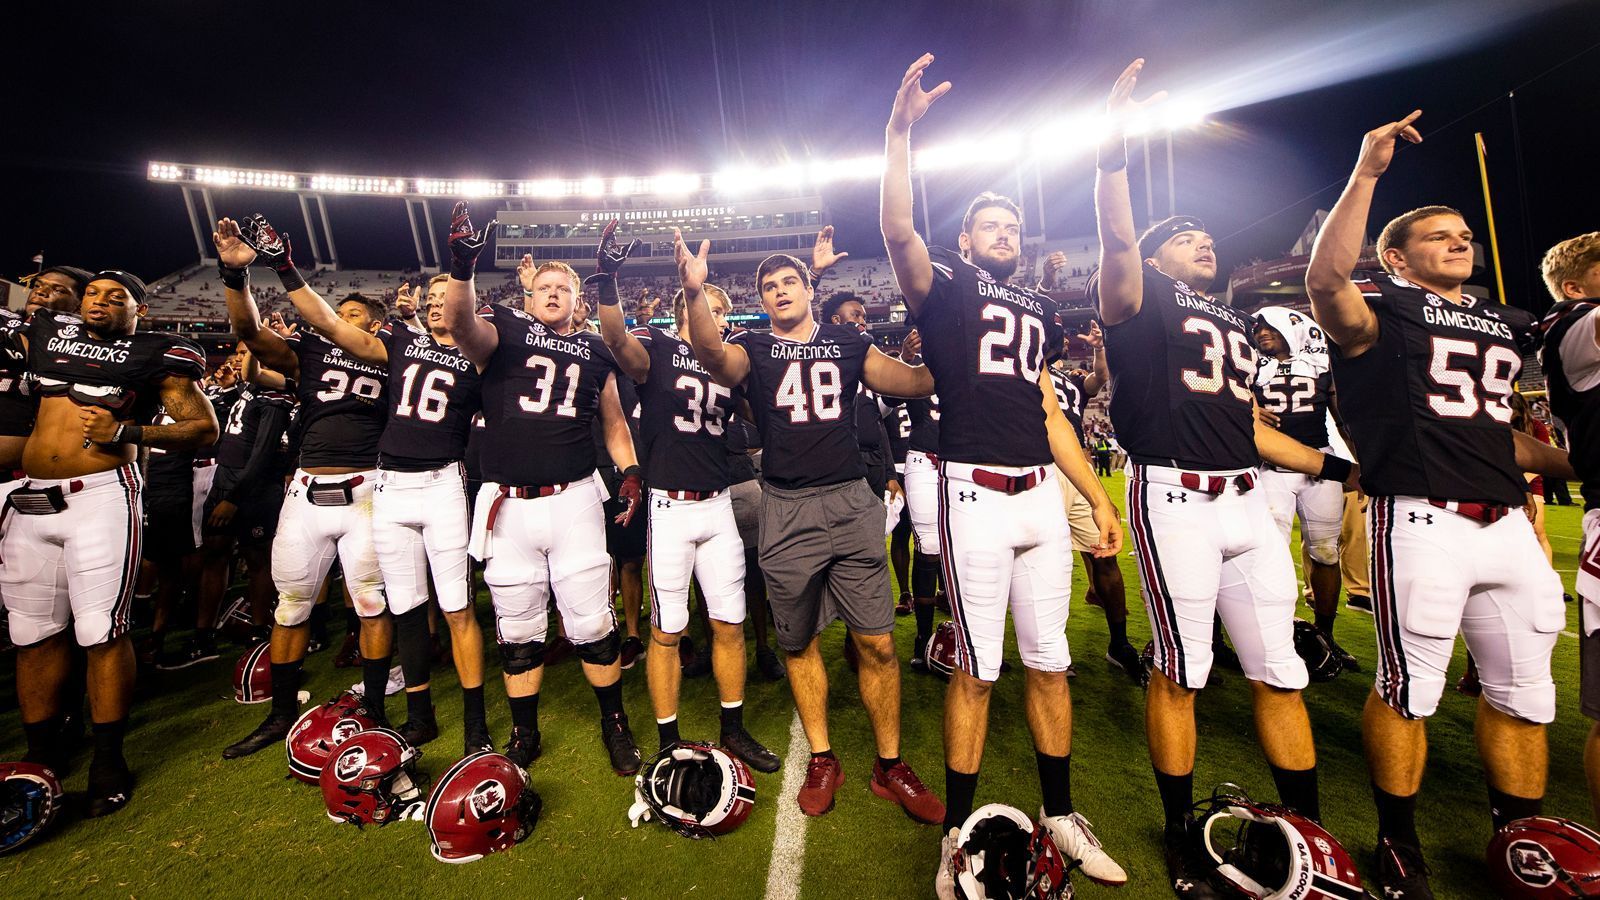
x: 789, y: 837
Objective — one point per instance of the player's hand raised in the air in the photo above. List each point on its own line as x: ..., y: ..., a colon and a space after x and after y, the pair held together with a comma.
x: 692, y: 267
x: 405, y: 301
x: 610, y: 255
x: 1053, y: 264
x: 823, y: 257
x: 1110, y: 543
x: 231, y: 248
x: 911, y: 102
x: 466, y: 242
x: 525, y: 271
x: 1377, y: 147
x: 1121, y: 106
x: 911, y: 346
x: 1094, y: 337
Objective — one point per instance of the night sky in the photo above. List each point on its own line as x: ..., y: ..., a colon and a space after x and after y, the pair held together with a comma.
x: 538, y: 89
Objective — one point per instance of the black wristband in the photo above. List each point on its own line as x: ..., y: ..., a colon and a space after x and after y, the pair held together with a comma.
x: 234, y: 278
x: 128, y: 433
x: 1334, y: 468
x: 631, y: 470
x: 1112, y: 156
x: 462, y: 269
x: 291, y: 278
x: 605, y: 285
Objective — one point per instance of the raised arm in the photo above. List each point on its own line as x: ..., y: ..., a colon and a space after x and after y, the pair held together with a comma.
x: 1100, y: 375
x: 729, y: 365
x: 630, y: 354
x: 1121, y: 276
x: 908, y: 255
x: 234, y: 256
x: 889, y: 376
x: 363, y: 345
x: 1074, y: 463
x: 1336, y: 303
x: 476, y: 338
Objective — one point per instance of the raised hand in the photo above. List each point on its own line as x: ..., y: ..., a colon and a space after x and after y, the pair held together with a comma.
x: 822, y: 255
x: 526, y: 271
x: 1377, y: 147
x: 271, y: 246
x: 1053, y: 264
x: 692, y: 267
x: 466, y: 242
x: 275, y: 321
x: 911, y: 102
x: 405, y: 301
x: 610, y: 256
x: 648, y: 305
x: 1120, y: 106
x: 1094, y: 337
x: 911, y: 346
x: 232, y: 251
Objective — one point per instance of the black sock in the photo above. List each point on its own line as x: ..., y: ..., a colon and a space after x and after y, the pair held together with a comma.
x: 959, y: 789
x: 43, y: 740
x: 1325, y: 623
x: 1504, y: 808
x: 419, y: 705
x: 1055, y: 780
x: 375, y: 684
x: 923, y: 611
x: 1397, y: 817
x: 1119, y: 631
x: 286, y: 688
x: 610, y: 698
x: 1177, y: 796
x: 885, y: 763
x: 668, y: 732
x: 319, y: 622
x: 924, y: 576
x: 824, y: 754
x: 733, y: 718
x: 472, y: 701
x: 352, y: 622
x: 1297, y: 789
x: 108, y: 741
x: 413, y: 645
x: 524, y: 712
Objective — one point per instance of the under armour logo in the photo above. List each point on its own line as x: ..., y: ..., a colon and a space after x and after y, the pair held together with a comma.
x: 966, y: 495
x: 1394, y: 892
x: 662, y: 503
x: 378, y: 489
x: 1179, y: 497
x: 1424, y: 518
x: 1181, y: 885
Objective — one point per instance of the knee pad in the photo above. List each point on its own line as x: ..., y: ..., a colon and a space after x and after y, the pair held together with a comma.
x: 293, y: 611
x: 924, y: 575
x: 603, y: 652
x: 1324, y: 552
x: 519, y: 658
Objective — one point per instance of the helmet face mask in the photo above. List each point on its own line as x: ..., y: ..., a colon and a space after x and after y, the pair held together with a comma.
x: 1275, y: 853
x: 698, y: 790
x: 1001, y: 853
x: 30, y: 797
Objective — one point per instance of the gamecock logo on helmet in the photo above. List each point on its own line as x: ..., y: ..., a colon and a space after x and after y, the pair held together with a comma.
x: 1530, y: 862
x: 349, y: 764
x: 488, y: 799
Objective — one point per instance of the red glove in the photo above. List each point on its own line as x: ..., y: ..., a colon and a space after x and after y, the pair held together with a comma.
x: 629, y: 491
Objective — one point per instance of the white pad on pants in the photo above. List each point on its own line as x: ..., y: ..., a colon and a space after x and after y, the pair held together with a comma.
x: 419, y: 524
x: 310, y: 536
x: 696, y: 539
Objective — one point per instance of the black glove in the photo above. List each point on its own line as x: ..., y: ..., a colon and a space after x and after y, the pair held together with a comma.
x: 629, y: 492
x: 609, y: 258
x: 272, y: 249
x: 465, y: 243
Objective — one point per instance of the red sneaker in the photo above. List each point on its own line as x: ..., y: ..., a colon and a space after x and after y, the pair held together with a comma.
x: 823, y: 777
x: 902, y: 785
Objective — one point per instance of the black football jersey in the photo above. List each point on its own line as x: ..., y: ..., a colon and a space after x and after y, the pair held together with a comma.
x: 222, y: 400
x: 433, y: 395
x: 1180, y: 379
x: 924, y: 414
x: 342, y: 411
x: 1073, y: 395
x: 1428, y: 405
x: 986, y: 344
x: 897, y: 423
x: 740, y: 437
x: 684, y: 415
x: 541, y: 391
x: 803, y: 395
x: 168, y: 474
x: 242, y: 424
x: 1578, y: 410
x: 17, y: 405
x: 1297, y: 389
x: 123, y: 374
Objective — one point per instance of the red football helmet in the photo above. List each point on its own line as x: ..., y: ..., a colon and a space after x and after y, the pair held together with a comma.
x: 1001, y: 853
x: 372, y: 778
x: 1276, y: 854
x: 1544, y: 857
x: 30, y: 796
x: 941, y: 652
x: 315, y: 734
x: 698, y: 790
x: 252, y: 677
x: 481, y: 805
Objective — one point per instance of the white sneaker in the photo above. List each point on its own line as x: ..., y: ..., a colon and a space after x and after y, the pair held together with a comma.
x: 944, y: 881
x: 1076, y: 842
x: 397, y: 683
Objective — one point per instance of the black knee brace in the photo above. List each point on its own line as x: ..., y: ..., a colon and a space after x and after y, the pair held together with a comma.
x: 603, y: 652
x: 925, y: 576
x: 519, y: 658
x: 415, y: 650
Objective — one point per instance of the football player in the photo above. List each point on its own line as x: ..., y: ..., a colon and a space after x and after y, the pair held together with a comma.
x: 1571, y: 358
x: 419, y: 506
x: 1005, y: 536
x: 327, y: 509
x: 1424, y: 374
x: 1294, y: 391
x: 1181, y: 366
x: 538, y: 522
x: 922, y: 505
x: 822, y: 548
x: 693, y: 535
x: 73, y: 531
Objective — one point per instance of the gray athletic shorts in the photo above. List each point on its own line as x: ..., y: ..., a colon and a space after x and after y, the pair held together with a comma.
x: 822, y: 553
x: 747, y: 511
x: 1589, y: 675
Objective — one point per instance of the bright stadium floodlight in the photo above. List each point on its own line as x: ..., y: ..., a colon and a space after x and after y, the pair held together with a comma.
x: 996, y: 148
x: 736, y: 180
x: 674, y: 184
x: 593, y: 186
x: 478, y: 188
x: 543, y: 187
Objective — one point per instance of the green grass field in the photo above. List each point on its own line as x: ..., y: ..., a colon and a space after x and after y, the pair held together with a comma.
x: 201, y: 826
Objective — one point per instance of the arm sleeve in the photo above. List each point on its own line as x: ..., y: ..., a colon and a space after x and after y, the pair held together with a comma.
x: 269, y: 435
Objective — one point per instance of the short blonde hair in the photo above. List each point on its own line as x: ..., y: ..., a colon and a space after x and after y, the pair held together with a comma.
x: 563, y: 268
x: 1568, y: 260
x: 680, y: 303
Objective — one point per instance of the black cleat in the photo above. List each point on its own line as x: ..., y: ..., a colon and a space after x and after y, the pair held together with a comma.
x: 417, y: 732
x: 741, y: 744
x: 1188, y: 867
x: 632, y: 650
x: 192, y: 654
x: 1350, y: 663
x: 919, y: 654
x: 904, y: 607
x: 699, y: 667
x: 272, y: 730
x: 1402, y: 875
x: 624, y: 753
x: 1359, y: 603
x: 524, y: 747
x: 476, y: 740
x: 1125, y: 658
x: 770, y: 665
x: 110, y: 787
